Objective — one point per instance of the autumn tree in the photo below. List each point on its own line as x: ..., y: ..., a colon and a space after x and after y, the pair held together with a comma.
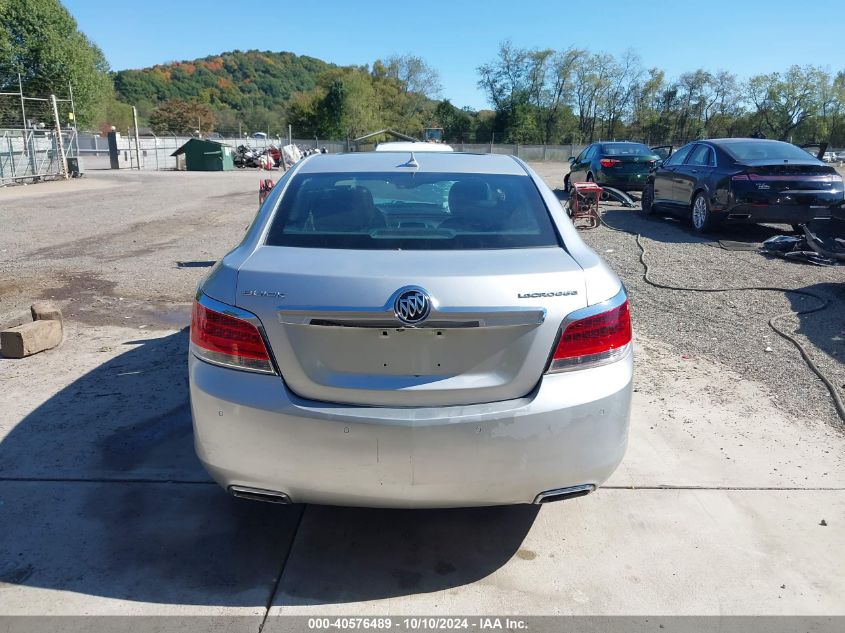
x: 182, y: 117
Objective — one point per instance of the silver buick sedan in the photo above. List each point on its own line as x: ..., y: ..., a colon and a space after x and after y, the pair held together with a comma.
x: 411, y: 331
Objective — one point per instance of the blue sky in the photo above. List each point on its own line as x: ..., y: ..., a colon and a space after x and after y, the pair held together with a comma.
x: 743, y: 36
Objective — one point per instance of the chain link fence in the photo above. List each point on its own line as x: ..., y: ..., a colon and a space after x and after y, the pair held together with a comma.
x: 155, y: 152
x: 38, y: 138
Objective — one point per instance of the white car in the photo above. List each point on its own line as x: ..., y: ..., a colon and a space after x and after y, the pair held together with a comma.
x: 406, y: 146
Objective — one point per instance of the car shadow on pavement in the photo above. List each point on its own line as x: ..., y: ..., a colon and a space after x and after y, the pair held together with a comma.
x: 357, y: 554
x: 825, y: 328
x: 101, y: 495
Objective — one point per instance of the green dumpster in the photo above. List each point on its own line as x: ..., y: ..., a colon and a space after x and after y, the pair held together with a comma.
x: 204, y: 155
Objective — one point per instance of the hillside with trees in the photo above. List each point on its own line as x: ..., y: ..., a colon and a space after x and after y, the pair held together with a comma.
x: 250, y: 88
x: 256, y: 91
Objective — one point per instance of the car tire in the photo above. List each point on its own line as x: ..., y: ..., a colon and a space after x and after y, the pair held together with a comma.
x: 647, y: 199
x: 590, y: 177
x: 567, y: 186
x: 701, y: 216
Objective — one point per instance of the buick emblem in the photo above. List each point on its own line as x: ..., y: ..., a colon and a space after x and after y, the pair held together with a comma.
x: 412, y: 306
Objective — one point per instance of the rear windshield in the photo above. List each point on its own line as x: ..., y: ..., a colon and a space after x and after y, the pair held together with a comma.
x: 627, y: 149
x: 765, y: 150
x: 412, y: 211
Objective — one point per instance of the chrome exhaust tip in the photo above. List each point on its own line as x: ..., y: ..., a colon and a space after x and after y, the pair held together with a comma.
x: 561, y: 494
x: 257, y: 494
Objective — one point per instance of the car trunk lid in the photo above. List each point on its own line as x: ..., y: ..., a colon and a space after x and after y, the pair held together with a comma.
x: 627, y: 164
x: 793, y: 177
x: 328, y: 316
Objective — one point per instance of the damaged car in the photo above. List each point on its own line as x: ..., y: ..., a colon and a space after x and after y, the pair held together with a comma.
x: 743, y: 180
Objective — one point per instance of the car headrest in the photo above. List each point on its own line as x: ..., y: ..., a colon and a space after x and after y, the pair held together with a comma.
x: 345, y: 209
x: 469, y: 200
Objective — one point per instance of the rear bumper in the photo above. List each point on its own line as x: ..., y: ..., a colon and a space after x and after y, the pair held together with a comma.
x: 746, y: 202
x: 775, y: 213
x: 251, y: 431
x: 626, y: 182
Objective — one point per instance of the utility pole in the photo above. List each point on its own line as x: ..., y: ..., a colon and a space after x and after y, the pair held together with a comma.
x: 137, y: 140
x: 59, y: 143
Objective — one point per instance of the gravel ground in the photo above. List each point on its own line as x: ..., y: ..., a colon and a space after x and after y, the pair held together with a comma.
x: 730, y: 328
x: 119, y: 247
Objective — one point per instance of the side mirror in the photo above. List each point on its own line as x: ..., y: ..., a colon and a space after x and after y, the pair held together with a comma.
x: 571, y: 159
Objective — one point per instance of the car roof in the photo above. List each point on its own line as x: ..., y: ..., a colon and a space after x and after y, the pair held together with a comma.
x: 731, y: 141
x: 456, y: 162
x: 413, y: 146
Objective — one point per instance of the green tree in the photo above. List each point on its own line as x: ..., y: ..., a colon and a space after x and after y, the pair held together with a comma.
x: 457, y: 124
x: 333, y: 110
x: 784, y: 102
x: 179, y: 116
x: 40, y: 40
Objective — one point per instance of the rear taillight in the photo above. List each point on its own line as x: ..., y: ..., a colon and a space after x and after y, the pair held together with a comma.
x: 610, y: 162
x: 740, y: 177
x: 593, y: 340
x: 227, y: 340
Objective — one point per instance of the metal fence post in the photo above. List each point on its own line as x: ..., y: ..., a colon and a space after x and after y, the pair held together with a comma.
x: 12, y: 157
x: 23, y: 106
x: 137, y: 141
x: 60, y: 143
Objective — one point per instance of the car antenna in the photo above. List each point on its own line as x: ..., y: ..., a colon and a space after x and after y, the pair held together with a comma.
x: 412, y: 162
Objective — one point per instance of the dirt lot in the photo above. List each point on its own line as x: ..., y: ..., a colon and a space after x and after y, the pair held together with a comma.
x: 735, y: 459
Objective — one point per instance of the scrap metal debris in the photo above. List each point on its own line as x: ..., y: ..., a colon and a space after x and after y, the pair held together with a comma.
x: 827, y: 238
x: 610, y: 193
x: 822, y: 243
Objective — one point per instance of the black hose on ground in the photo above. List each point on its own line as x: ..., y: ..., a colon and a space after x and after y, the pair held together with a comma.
x: 834, y: 392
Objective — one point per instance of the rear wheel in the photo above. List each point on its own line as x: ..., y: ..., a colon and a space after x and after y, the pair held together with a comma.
x: 647, y: 200
x: 701, y: 216
x: 567, y: 186
x: 589, y: 177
